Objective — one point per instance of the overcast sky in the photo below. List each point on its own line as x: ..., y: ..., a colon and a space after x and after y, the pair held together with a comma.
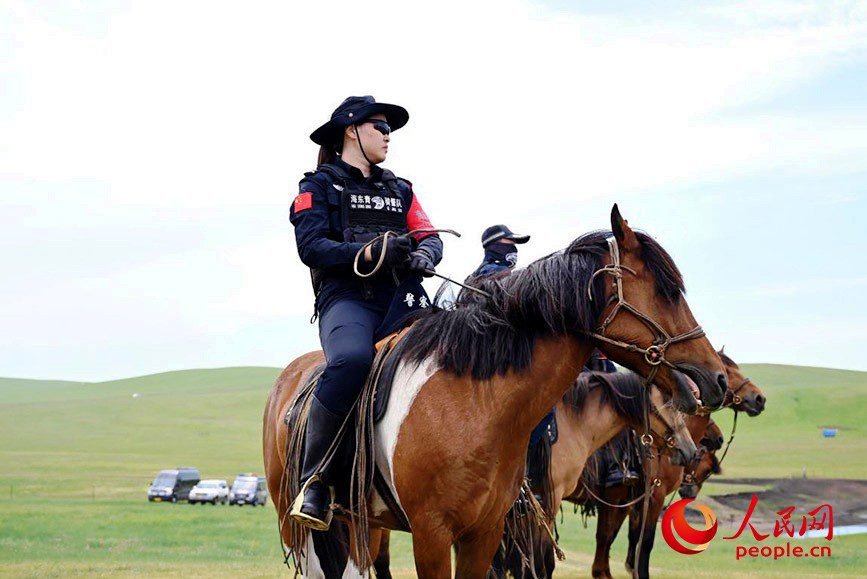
x: 149, y: 151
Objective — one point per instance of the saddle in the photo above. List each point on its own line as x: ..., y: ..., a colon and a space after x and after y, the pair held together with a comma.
x: 358, y: 448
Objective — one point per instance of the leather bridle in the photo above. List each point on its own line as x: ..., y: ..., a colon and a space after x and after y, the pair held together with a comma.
x: 689, y: 478
x: 668, y: 437
x: 732, y: 398
x: 735, y: 400
x: 654, y: 354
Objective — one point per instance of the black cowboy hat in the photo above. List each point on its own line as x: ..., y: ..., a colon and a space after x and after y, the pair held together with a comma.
x: 354, y: 110
x: 498, y: 232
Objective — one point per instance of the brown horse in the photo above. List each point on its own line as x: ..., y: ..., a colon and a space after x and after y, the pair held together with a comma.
x: 610, y: 519
x: 595, y: 409
x: 472, y: 382
x: 598, y: 406
x: 748, y: 398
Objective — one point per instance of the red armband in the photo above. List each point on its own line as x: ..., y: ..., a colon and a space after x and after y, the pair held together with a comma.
x: 418, y: 219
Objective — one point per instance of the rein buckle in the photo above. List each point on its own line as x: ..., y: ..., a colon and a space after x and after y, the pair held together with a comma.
x: 653, y: 355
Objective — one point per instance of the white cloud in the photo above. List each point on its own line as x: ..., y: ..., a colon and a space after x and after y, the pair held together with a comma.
x: 516, y: 112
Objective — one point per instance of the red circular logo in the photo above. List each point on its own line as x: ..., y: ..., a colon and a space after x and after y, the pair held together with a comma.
x: 675, y: 528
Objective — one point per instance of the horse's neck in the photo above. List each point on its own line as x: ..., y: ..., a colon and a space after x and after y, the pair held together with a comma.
x: 596, y: 423
x: 583, y: 431
x: 530, y: 395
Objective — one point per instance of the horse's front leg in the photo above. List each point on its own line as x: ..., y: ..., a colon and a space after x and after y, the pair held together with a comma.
x: 382, y: 560
x: 474, y: 552
x: 655, y: 508
x: 431, y: 547
x: 608, y: 522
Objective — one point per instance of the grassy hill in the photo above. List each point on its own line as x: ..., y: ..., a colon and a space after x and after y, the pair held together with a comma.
x: 787, y: 437
x: 77, y: 459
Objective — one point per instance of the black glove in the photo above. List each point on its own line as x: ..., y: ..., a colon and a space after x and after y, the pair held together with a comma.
x: 421, y: 262
x: 396, y: 253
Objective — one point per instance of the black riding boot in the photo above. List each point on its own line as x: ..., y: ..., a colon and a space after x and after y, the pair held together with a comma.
x: 312, y: 507
x: 619, y: 474
x: 537, y: 474
x: 537, y: 465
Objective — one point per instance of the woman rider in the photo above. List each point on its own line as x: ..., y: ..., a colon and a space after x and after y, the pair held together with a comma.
x: 347, y: 202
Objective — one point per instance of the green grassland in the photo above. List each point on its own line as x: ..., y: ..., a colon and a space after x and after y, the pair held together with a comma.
x: 77, y: 459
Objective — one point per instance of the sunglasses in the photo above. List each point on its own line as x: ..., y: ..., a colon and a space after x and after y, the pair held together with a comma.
x: 380, y: 126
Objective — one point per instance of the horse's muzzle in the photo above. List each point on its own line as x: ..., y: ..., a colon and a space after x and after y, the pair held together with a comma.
x: 688, y: 491
x: 753, y: 405
x: 710, y: 385
x: 679, y: 457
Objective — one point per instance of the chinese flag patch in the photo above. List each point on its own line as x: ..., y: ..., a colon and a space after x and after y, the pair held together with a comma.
x: 302, y: 202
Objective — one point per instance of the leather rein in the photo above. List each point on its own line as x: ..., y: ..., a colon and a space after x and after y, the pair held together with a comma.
x: 732, y: 399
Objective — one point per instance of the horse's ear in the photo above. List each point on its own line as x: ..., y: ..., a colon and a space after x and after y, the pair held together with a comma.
x: 622, y: 233
x: 722, y: 350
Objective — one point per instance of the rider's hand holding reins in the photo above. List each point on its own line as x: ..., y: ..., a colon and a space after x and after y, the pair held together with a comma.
x: 388, y: 249
x: 382, y: 246
x: 397, y: 251
x: 421, y: 262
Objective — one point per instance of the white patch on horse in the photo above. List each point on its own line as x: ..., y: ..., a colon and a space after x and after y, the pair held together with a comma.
x: 352, y: 572
x: 408, y: 380
x: 309, y: 563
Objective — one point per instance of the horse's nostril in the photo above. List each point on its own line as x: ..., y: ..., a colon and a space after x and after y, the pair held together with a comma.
x: 722, y: 381
x: 719, y: 441
x: 760, y: 401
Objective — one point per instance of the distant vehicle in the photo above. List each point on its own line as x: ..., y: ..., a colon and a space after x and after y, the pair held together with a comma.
x: 248, y: 489
x: 210, y: 491
x: 173, y: 485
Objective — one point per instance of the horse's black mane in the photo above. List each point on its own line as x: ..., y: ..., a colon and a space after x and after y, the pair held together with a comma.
x: 488, y: 336
x: 620, y: 390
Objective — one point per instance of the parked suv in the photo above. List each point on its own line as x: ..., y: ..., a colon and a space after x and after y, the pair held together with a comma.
x: 248, y: 489
x: 210, y: 491
x: 173, y: 485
